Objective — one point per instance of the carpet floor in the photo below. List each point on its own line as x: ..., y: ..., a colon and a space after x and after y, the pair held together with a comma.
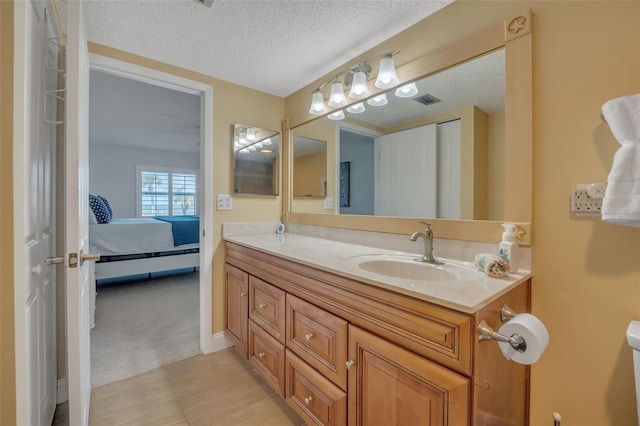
x: 144, y: 324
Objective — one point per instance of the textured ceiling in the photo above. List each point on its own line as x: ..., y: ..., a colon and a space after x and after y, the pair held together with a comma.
x: 275, y: 46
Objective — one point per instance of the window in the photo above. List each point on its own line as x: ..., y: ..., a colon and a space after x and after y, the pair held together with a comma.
x: 166, y: 192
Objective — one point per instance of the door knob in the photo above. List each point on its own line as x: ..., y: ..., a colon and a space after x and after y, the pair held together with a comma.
x: 91, y: 257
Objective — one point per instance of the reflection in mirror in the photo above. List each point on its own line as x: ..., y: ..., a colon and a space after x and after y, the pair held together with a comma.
x: 436, y: 154
x: 309, y: 167
x: 255, y: 166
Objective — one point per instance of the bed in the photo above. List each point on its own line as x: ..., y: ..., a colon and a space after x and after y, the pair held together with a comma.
x: 133, y: 246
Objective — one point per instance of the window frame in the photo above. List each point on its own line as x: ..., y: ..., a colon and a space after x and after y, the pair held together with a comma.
x: 170, y: 171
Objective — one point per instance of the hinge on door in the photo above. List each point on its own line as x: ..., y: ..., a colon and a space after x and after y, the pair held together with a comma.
x: 73, y: 260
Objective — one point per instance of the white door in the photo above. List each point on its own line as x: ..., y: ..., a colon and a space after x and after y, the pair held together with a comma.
x: 77, y: 275
x: 406, y: 173
x: 34, y: 156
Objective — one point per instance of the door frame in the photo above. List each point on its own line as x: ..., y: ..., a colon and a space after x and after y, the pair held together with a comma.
x: 131, y: 71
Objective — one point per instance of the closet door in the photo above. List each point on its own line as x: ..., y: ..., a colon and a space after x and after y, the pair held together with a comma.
x: 406, y: 173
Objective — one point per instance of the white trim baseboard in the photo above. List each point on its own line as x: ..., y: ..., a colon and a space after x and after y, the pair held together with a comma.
x: 217, y: 343
x: 63, y: 391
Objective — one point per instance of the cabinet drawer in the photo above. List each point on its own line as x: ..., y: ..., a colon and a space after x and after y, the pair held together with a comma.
x: 266, y: 354
x: 267, y: 307
x: 313, y: 397
x: 319, y: 338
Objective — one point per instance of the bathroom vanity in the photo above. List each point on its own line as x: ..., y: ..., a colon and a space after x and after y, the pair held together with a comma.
x: 344, y: 345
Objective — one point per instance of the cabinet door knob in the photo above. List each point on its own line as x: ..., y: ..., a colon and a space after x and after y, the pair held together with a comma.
x: 308, y: 336
x: 262, y: 305
x: 243, y: 294
x: 350, y: 364
x: 308, y: 400
x: 261, y: 355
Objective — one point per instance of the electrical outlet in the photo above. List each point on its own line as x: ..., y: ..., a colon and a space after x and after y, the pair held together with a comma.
x: 586, y: 200
x: 224, y: 202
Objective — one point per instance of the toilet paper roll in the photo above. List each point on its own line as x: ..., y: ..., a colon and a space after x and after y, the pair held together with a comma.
x: 534, y: 333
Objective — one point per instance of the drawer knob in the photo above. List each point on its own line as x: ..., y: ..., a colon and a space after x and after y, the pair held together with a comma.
x: 308, y: 336
x: 308, y: 400
x: 262, y: 305
x: 350, y: 364
x: 261, y: 355
x: 243, y: 294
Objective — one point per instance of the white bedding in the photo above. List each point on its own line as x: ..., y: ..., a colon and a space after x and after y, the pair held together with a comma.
x: 133, y: 236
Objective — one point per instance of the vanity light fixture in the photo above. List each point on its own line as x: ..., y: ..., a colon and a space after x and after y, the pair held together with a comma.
x: 337, y: 98
x: 379, y: 100
x: 251, y: 134
x: 407, y: 91
x: 317, y: 103
x: 359, y: 87
x: 355, y: 79
x: 338, y: 115
x: 387, y: 77
x: 356, y: 108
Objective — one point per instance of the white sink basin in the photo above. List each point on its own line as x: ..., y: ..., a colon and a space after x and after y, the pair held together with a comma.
x: 406, y: 267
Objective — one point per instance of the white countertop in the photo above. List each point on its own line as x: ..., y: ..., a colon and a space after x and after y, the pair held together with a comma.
x: 468, y: 294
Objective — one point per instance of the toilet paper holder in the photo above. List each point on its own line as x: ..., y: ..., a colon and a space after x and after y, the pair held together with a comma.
x: 485, y: 332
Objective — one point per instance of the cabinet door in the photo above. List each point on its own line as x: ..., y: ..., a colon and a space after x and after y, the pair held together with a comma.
x: 237, y: 320
x: 389, y: 385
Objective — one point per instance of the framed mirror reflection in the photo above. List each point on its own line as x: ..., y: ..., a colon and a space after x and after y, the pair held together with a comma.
x: 256, y: 160
x: 436, y: 151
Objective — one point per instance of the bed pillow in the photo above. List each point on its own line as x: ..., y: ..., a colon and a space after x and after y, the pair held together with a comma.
x: 99, y: 209
x: 92, y: 217
x: 106, y: 204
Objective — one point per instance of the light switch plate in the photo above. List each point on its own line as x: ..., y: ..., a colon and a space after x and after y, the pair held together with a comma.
x: 224, y: 202
x: 328, y: 203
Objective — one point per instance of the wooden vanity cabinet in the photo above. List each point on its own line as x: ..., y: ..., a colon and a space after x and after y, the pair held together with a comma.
x: 237, y: 302
x: 344, y: 352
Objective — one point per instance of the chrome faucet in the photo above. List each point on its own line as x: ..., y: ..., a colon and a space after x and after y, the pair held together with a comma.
x: 427, y: 235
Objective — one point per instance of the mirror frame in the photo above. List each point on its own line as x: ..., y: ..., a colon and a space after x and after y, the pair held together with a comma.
x: 512, y: 34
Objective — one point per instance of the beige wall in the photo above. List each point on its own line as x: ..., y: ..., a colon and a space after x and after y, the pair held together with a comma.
x: 7, y: 358
x: 586, y: 286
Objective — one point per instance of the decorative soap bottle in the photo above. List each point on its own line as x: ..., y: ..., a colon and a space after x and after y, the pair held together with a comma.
x: 508, y: 248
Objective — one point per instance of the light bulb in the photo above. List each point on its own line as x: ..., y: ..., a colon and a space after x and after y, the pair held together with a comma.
x: 251, y: 135
x: 317, y: 103
x: 379, y: 100
x: 338, y: 115
x: 407, y: 91
x: 357, y: 108
x: 359, y: 88
x: 337, y: 98
x: 387, y: 76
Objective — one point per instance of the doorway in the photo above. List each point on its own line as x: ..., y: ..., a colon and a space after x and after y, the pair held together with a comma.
x: 180, y: 87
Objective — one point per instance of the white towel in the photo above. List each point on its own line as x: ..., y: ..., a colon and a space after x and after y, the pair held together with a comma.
x: 621, y: 203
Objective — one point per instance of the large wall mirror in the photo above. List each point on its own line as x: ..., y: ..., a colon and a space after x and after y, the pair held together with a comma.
x: 456, y: 152
x: 436, y: 153
x: 256, y: 154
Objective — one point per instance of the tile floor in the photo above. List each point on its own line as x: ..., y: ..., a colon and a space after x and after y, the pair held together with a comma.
x: 220, y: 389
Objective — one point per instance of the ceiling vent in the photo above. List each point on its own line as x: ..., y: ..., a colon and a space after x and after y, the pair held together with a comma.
x: 427, y: 99
x: 207, y: 3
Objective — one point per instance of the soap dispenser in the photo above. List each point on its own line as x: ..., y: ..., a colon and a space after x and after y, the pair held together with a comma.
x: 508, y: 248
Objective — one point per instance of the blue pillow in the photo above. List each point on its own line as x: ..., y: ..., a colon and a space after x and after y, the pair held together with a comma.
x: 106, y: 204
x: 99, y: 209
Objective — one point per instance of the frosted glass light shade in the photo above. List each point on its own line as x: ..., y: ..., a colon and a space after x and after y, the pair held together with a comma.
x: 359, y: 88
x: 379, y: 100
x: 407, y: 91
x: 267, y: 141
x: 337, y: 98
x: 338, y: 115
x: 356, y: 108
x: 317, y: 104
x: 387, y: 76
x: 251, y: 135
